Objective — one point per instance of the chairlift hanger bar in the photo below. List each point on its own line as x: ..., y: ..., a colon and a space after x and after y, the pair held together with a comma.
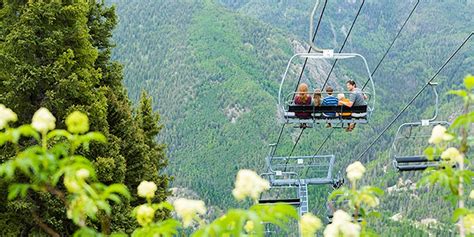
x: 314, y: 37
x: 311, y: 40
x: 394, y: 147
x: 416, y: 95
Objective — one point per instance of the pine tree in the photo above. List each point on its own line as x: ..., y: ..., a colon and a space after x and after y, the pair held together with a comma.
x: 148, y: 122
x: 56, y: 55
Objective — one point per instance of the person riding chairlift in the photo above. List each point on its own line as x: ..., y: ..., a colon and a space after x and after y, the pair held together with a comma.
x: 357, y: 98
x: 302, y: 98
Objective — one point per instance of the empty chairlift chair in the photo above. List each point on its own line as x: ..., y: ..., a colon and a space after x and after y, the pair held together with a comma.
x: 283, y: 194
x: 411, y: 139
x: 406, y: 151
x: 304, y: 170
x: 290, y: 113
x: 286, y: 194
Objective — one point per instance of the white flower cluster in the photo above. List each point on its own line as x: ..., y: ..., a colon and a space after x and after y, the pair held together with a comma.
x: 453, y: 155
x: 342, y: 226
x: 439, y: 134
x: 43, y: 120
x: 146, y: 189
x: 249, y: 184
x: 355, y: 171
x: 6, y: 116
x: 188, y: 209
x: 309, y: 224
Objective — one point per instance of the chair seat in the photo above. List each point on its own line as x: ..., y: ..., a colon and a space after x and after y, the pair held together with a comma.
x: 413, y: 159
x: 289, y: 201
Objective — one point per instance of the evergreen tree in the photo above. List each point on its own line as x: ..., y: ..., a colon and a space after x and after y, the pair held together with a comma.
x: 148, y: 124
x: 56, y: 54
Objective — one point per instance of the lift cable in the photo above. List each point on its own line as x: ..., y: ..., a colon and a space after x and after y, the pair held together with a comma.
x: 294, y: 146
x: 344, y: 43
x: 378, y: 65
x: 342, y: 47
x: 301, y: 75
x: 310, y: 47
x: 302, y: 70
x: 416, y: 96
x: 278, y: 140
x: 393, y: 42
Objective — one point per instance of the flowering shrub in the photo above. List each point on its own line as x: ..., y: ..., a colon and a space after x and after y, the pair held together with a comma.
x: 452, y: 145
x: 236, y: 222
x: 358, y: 201
x: 53, y: 160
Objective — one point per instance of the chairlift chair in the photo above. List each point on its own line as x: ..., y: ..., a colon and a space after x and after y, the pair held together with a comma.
x: 288, y: 194
x: 295, y: 194
x: 309, y: 169
x: 290, y: 113
x: 409, y: 133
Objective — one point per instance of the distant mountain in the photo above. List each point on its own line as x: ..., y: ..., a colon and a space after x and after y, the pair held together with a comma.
x: 214, y: 69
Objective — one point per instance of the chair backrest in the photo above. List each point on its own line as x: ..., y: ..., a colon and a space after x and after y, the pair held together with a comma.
x: 327, y: 109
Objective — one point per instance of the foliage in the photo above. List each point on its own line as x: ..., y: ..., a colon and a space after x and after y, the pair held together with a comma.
x: 56, y: 54
x: 358, y: 201
x: 53, y: 162
x: 214, y: 76
x: 454, y: 173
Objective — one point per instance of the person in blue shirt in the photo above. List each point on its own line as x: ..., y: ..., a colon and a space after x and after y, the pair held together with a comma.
x: 330, y: 100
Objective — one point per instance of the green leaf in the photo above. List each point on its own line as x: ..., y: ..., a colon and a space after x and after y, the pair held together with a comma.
x: 461, y: 93
x: 429, y: 153
x: 59, y: 133
x: 337, y: 193
x: 116, y: 188
x: 460, y: 121
x: 469, y: 82
x: 94, y: 136
x: 15, y: 136
x: 458, y: 213
x: 3, y: 138
x: 7, y: 169
x: 162, y: 205
x: 103, y: 205
x: 114, y: 197
x: 86, y: 232
x: 17, y: 189
x: 118, y: 235
x: 28, y: 131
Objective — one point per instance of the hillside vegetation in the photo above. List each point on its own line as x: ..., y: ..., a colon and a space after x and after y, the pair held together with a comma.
x: 213, y: 69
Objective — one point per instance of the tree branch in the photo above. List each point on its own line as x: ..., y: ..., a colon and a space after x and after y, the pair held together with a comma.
x: 44, y: 226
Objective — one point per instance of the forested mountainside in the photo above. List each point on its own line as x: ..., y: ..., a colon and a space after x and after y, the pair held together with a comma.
x: 213, y: 68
